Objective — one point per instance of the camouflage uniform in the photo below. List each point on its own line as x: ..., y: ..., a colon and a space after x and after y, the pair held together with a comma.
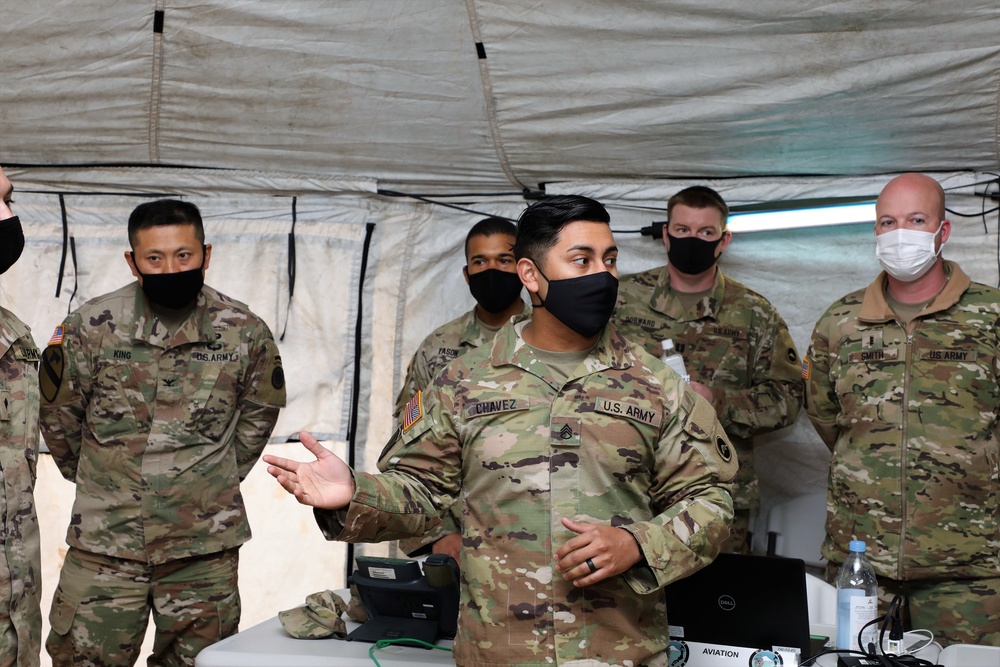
x: 621, y: 443
x: 911, y: 417
x: 735, y: 343
x: 20, y: 562
x: 441, y: 346
x: 157, y: 431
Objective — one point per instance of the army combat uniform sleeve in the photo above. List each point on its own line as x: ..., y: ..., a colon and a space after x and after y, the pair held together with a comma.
x: 418, y: 376
x: 423, y: 444
x: 450, y: 522
x: 696, y: 464
x: 773, y: 396
x: 64, y: 384
x: 822, y: 405
x: 262, y: 398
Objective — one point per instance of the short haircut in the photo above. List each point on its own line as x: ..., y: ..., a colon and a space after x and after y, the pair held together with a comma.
x: 539, y: 226
x: 699, y: 196
x: 164, y: 212
x: 489, y: 227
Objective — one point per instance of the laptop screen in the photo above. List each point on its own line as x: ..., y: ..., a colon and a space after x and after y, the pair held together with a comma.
x: 756, y: 603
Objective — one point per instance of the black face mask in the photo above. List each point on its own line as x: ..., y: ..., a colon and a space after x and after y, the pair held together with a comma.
x: 493, y: 289
x: 583, y: 304
x: 173, y: 290
x: 692, y: 255
x: 11, y: 242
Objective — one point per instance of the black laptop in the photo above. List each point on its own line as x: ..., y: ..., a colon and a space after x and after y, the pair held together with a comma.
x: 740, y: 610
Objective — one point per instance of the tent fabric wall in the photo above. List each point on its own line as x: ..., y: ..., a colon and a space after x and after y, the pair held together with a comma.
x: 452, y: 95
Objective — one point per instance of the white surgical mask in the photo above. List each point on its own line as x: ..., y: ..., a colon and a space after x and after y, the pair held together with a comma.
x: 906, y: 254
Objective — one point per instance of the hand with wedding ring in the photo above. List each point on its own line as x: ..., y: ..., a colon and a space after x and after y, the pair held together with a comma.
x: 595, y: 553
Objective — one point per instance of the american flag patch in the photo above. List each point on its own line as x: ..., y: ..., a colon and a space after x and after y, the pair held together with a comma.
x: 57, y: 336
x: 413, y: 412
x: 806, y: 367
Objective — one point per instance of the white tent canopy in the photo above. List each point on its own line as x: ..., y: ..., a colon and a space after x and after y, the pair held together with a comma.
x: 448, y: 95
x: 310, y: 119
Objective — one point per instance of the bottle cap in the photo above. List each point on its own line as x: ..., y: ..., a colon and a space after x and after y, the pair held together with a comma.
x: 667, y: 344
x: 858, y: 546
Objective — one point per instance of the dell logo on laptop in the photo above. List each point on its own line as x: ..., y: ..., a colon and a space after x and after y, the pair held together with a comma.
x: 727, y: 603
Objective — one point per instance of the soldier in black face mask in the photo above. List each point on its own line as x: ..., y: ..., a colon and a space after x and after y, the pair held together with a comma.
x: 161, y: 394
x: 589, y: 475
x: 491, y: 274
x: 20, y: 557
x: 736, y: 347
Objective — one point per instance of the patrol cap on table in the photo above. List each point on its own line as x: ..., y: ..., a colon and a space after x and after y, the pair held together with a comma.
x: 318, y: 618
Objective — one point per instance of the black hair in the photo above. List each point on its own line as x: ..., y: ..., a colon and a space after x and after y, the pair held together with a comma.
x: 489, y: 227
x: 164, y: 212
x: 539, y: 226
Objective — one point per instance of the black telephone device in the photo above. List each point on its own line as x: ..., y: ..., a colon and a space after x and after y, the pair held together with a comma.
x: 404, y: 602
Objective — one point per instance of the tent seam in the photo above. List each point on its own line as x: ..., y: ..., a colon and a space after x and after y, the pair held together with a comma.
x: 156, y: 87
x: 491, y: 109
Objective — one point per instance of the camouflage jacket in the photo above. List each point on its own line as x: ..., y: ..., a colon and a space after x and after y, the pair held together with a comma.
x: 20, y: 562
x: 623, y: 443
x: 911, y: 417
x: 444, y: 344
x: 438, y: 349
x: 157, y: 431
x: 733, y: 342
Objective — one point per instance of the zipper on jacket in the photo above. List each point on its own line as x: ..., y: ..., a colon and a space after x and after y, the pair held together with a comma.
x: 903, y: 450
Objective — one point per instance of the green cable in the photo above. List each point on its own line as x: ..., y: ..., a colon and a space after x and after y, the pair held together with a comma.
x: 383, y: 643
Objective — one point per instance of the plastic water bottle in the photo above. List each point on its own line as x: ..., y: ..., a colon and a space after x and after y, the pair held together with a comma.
x: 857, y: 599
x: 673, y: 358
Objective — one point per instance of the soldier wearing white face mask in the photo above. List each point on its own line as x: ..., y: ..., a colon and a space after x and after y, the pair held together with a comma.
x: 902, y: 385
x: 908, y: 253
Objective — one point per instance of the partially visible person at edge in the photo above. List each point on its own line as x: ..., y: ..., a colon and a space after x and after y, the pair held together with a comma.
x: 491, y: 274
x: 903, y: 388
x: 157, y: 400
x: 735, y: 345
x: 589, y: 475
x: 20, y: 560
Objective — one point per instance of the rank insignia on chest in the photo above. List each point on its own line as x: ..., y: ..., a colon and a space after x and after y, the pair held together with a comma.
x: 413, y: 412
x: 871, y: 340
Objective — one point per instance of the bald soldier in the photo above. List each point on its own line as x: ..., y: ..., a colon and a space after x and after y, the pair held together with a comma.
x: 157, y: 400
x: 588, y: 475
x: 903, y: 387
x: 735, y: 345
x: 20, y: 558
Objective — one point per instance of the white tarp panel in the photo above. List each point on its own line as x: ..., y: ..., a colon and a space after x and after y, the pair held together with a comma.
x: 398, y: 90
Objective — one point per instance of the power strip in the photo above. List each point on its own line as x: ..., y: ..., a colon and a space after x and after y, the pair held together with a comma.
x: 858, y: 661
